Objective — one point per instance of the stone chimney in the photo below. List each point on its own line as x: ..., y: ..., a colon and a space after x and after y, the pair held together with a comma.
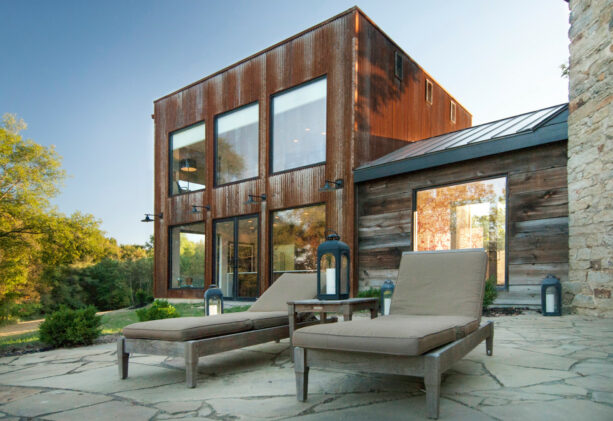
x: 590, y: 158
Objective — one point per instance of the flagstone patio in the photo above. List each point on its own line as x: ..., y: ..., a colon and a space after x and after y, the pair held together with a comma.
x: 542, y: 368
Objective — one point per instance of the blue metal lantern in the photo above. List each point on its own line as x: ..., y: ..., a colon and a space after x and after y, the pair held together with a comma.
x: 551, y: 296
x: 387, y: 290
x: 213, y: 301
x: 333, y: 269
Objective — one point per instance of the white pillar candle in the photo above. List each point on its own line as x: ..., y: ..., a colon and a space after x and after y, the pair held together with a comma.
x: 386, y: 306
x: 549, y: 302
x: 331, y: 281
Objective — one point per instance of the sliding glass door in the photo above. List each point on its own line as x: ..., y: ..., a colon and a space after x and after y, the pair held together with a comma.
x: 236, y: 256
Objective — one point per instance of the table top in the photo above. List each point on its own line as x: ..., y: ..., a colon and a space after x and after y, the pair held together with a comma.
x: 334, y: 302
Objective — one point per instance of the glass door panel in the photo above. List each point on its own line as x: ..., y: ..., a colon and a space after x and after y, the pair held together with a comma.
x: 247, y: 261
x: 224, y: 257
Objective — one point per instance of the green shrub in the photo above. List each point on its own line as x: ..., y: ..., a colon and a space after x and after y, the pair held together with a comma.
x: 142, y: 298
x: 67, y: 327
x: 160, y: 309
x: 491, y: 292
x: 236, y: 309
x: 368, y: 293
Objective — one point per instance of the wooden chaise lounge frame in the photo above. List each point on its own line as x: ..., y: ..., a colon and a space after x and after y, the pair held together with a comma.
x: 289, y: 286
x: 429, y: 366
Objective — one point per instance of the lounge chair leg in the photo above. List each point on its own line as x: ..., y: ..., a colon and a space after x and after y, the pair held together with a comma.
x: 432, y: 379
x: 489, y: 343
x: 191, y: 365
x: 302, y: 374
x: 122, y: 358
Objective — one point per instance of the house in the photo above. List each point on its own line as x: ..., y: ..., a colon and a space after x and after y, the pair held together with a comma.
x: 255, y: 162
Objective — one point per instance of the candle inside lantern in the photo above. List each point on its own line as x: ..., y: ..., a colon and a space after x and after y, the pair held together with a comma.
x: 331, y: 281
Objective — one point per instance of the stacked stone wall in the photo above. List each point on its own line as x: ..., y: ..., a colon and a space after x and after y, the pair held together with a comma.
x: 590, y: 158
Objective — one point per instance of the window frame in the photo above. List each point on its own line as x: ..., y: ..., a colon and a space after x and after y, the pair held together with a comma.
x: 504, y: 287
x: 398, y: 65
x: 453, y: 110
x: 169, y: 259
x: 271, y: 245
x: 271, y: 115
x: 169, y: 161
x: 429, y: 89
x: 215, y: 119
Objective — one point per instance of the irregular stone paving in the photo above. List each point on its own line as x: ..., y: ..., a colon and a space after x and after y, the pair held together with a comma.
x: 542, y: 368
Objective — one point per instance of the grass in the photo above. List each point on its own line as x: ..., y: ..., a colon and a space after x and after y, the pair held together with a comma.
x: 112, y: 322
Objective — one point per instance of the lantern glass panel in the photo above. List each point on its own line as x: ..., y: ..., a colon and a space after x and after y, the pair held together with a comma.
x: 327, y: 272
x: 214, y: 306
x: 551, y: 305
x: 344, y: 274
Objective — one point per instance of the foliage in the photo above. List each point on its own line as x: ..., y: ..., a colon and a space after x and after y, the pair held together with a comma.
x: 142, y: 298
x: 67, y: 327
x: 368, y: 293
x: 160, y: 309
x: 491, y: 292
x: 236, y: 309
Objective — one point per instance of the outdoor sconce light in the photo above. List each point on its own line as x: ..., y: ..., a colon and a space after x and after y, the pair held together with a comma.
x: 150, y: 217
x: 213, y: 301
x: 196, y: 208
x: 387, y: 290
x: 254, y: 198
x: 332, y: 185
x: 551, y: 296
x: 188, y: 165
x: 333, y: 269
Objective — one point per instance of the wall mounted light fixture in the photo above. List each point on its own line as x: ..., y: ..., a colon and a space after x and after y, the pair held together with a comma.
x: 196, y: 208
x: 255, y: 198
x: 150, y: 217
x: 332, y: 185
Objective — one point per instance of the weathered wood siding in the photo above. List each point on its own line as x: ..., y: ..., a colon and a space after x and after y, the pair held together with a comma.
x: 323, y: 50
x: 392, y: 111
x: 537, y: 217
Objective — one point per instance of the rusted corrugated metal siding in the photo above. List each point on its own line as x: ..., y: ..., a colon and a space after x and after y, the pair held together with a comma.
x: 322, y: 50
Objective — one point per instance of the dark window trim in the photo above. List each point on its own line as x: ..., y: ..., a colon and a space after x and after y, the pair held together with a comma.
x: 169, y: 162
x: 169, y: 286
x: 270, y: 124
x: 215, y: 118
x: 270, y: 237
x: 504, y: 287
x: 235, y: 220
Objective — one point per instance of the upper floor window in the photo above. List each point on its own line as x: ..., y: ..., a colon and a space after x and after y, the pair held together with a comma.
x: 188, y: 159
x: 298, y: 134
x: 452, y: 108
x: 428, y: 91
x: 236, y: 145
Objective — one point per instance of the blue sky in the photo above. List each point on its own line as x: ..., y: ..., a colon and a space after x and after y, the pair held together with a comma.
x: 84, y: 74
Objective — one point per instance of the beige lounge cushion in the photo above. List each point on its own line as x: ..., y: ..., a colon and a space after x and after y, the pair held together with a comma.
x: 264, y: 319
x: 289, y: 287
x: 392, y: 335
x: 189, y: 328
x: 449, y: 282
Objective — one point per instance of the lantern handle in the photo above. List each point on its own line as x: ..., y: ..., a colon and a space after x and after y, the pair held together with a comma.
x: 333, y: 236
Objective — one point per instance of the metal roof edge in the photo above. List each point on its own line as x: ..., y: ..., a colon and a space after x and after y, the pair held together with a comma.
x: 542, y: 136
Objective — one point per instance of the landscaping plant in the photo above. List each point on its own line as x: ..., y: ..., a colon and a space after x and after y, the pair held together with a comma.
x: 491, y: 292
x: 160, y: 309
x: 67, y: 327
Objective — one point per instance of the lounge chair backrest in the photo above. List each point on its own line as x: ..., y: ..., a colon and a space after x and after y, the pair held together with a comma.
x: 450, y: 282
x: 289, y: 287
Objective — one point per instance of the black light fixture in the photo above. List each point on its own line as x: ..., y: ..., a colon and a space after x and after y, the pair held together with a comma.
x: 188, y: 165
x: 551, y: 296
x: 333, y: 269
x: 332, y: 185
x: 195, y: 208
x: 150, y: 217
x: 255, y: 198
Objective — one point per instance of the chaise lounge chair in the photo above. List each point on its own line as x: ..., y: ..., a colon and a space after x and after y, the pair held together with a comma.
x: 434, y: 321
x: 194, y: 337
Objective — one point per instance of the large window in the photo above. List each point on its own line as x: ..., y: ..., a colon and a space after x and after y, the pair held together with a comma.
x: 468, y: 215
x: 187, y: 256
x: 236, y: 145
x: 299, y: 126
x: 296, y: 234
x: 187, y: 159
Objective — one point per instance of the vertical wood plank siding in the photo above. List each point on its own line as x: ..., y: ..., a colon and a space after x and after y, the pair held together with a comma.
x: 537, y: 215
x: 323, y: 50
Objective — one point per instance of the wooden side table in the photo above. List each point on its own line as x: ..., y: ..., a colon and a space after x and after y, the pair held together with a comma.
x: 346, y: 307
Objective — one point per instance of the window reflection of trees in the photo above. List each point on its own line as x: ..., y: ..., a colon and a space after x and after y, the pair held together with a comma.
x: 296, y: 235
